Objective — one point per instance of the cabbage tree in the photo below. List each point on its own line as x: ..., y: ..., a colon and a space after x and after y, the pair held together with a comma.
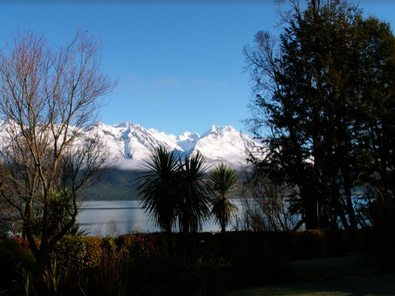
x: 223, y: 180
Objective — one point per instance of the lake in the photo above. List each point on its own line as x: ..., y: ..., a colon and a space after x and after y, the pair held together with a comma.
x: 112, y: 218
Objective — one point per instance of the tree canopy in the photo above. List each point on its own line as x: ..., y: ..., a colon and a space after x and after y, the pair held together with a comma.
x: 324, y: 105
x: 48, y: 95
x: 223, y: 179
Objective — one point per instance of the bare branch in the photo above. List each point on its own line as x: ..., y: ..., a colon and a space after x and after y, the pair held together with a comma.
x: 47, y: 97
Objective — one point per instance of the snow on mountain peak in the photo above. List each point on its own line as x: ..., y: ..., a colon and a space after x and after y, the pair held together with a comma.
x: 226, y: 144
x: 187, y: 141
x: 132, y: 144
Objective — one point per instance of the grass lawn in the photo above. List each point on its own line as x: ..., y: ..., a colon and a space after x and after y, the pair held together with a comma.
x: 340, y: 276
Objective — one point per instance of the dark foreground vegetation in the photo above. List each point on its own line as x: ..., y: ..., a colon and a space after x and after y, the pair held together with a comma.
x: 202, y: 263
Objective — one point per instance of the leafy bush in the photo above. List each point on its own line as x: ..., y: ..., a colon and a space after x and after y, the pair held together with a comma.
x: 108, y: 245
x: 133, y: 264
x: 94, y: 251
x: 71, y: 253
x: 18, y: 265
x: 143, y: 245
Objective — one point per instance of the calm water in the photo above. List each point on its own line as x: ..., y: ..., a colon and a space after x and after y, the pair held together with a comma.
x: 111, y: 218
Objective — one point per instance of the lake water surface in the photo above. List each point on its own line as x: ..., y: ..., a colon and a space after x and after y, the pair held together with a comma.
x: 111, y: 218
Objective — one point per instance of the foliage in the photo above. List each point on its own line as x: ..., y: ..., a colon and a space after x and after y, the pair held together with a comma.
x: 157, y: 187
x: 48, y: 95
x: 174, y: 192
x: 98, y: 265
x: 71, y: 253
x: 267, y: 204
x: 18, y: 266
x: 378, y: 211
x: 143, y: 246
x: 223, y: 180
x: 93, y: 251
x: 83, y: 252
x: 323, y: 123
x: 108, y: 245
x: 193, y: 193
x: 134, y: 264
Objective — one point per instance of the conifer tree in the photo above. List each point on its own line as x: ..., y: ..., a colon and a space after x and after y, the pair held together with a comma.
x: 325, y: 94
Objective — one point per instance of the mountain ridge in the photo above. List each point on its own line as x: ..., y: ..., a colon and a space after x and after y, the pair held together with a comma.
x: 133, y: 144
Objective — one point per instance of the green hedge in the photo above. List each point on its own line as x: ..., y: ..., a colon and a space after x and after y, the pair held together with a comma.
x: 138, y: 264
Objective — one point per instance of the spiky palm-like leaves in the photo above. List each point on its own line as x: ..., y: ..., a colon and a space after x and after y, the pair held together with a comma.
x: 194, y: 197
x: 174, y: 189
x: 222, y: 180
x: 157, y: 187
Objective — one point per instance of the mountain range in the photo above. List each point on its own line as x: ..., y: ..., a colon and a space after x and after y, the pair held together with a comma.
x: 131, y: 145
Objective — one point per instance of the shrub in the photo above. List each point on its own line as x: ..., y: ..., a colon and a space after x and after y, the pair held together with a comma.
x: 108, y: 245
x: 312, y: 243
x: 143, y: 245
x: 94, y: 251
x: 71, y: 254
x: 133, y: 265
x: 18, y: 265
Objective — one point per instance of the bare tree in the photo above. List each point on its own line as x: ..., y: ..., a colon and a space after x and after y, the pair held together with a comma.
x: 266, y: 205
x: 47, y: 98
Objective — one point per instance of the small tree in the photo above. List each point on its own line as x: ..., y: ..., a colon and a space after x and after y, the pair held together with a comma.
x: 157, y: 188
x: 223, y: 180
x: 47, y: 97
x: 174, y: 190
x: 193, y: 193
x: 268, y: 204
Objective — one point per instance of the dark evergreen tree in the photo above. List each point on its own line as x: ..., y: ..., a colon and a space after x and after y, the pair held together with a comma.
x: 193, y: 193
x: 223, y: 179
x: 325, y: 94
x: 157, y: 189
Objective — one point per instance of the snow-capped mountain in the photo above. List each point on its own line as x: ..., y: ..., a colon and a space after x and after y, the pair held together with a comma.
x: 131, y: 144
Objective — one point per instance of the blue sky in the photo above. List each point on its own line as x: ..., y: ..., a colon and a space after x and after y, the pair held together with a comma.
x: 179, y: 66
